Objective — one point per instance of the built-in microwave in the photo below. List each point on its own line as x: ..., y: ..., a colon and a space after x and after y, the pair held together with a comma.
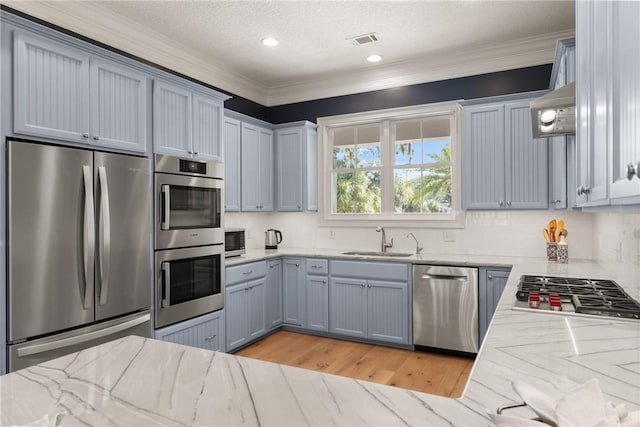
x: 234, y: 242
x: 188, y: 202
x: 189, y: 283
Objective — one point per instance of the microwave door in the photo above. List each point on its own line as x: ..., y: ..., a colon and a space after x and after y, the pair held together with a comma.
x: 123, y: 207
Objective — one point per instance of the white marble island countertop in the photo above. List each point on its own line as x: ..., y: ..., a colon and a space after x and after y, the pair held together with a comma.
x: 135, y: 381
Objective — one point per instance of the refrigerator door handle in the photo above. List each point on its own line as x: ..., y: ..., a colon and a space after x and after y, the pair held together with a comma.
x: 79, y: 339
x: 166, y: 207
x: 105, y: 238
x: 166, y: 285
x: 88, y: 238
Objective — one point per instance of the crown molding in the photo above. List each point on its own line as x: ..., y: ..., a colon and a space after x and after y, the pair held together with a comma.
x: 498, y: 57
x: 98, y: 23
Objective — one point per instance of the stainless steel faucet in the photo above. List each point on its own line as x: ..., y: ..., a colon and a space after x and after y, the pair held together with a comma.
x: 385, y: 245
x: 418, y: 248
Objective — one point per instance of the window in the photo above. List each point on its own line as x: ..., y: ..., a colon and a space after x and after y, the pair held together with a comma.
x: 390, y: 167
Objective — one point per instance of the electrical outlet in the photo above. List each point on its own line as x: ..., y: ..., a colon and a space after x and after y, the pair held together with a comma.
x: 448, y: 236
x: 332, y: 234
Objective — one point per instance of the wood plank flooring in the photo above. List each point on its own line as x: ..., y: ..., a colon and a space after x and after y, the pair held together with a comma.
x: 434, y: 373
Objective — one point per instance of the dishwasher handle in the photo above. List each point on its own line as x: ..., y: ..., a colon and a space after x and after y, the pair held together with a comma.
x: 445, y: 277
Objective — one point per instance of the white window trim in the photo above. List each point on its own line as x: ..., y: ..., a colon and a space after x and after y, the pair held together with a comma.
x: 456, y: 219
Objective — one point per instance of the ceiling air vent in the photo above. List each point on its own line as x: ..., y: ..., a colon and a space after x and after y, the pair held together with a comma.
x: 363, y: 39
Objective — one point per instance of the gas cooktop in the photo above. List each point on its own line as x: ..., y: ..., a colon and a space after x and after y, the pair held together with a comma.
x: 583, y: 296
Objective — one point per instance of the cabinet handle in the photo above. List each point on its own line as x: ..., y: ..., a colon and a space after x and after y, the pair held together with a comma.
x: 501, y: 203
x: 195, y: 153
x: 211, y: 338
x: 85, y: 135
x: 272, y: 266
x: 553, y: 202
x: 509, y: 203
x: 316, y: 266
x: 247, y: 272
x: 582, y: 190
x: 96, y: 137
x: 631, y: 171
x: 190, y: 152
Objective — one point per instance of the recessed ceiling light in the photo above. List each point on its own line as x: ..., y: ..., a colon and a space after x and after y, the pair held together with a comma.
x: 374, y: 58
x: 270, y: 41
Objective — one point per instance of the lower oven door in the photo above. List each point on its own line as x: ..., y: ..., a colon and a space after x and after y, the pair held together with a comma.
x: 189, y: 283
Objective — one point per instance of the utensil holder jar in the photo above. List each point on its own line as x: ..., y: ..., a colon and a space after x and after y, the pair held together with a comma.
x: 552, y: 251
x: 562, y: 253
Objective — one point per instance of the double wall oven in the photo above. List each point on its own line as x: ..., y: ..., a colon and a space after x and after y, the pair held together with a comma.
x: 189, y: 239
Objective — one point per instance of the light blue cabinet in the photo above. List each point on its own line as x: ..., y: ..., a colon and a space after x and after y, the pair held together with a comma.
x: 294, y: 295
x: 245, y: 306
x: 231, y: 138
x: 317, y: 293
x: 492, y: 282
x: 607, y: 57
x: 63, y: 93
x: 273, y: 298
x: 296, y: 167
x: 373, y: 303
x: 256, y: 168
x: 204, y: 332
x: 348, y: 307
x: 186, y: 123
x: 504, y: 167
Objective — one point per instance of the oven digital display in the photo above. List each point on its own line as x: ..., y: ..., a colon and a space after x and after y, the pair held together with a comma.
x: 193, y: 167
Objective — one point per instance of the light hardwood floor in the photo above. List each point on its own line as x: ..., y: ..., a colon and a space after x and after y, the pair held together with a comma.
x: 434, y: 373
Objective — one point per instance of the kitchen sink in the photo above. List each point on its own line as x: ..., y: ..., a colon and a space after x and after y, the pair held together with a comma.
x: 374, y: 253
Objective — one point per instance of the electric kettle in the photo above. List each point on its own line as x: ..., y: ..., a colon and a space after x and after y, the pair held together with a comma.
x: 272, y: 238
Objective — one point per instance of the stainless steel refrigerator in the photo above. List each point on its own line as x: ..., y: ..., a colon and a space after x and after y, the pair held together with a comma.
x: 79, y: 249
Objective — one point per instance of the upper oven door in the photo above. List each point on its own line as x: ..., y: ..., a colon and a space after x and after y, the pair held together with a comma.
x: 188, y: 211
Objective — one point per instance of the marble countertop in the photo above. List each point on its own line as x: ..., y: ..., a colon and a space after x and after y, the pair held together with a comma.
x: 136, y: 381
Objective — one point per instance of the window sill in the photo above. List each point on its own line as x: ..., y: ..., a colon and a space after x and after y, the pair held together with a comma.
x: 455, y: 220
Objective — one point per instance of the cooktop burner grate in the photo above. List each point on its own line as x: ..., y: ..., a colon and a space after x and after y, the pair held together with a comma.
x: 588, y: 296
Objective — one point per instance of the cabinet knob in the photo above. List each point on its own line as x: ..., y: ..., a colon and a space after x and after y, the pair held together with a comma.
x: 195, y: 153
x: 631, y: 171
x: 324, y: 281
x: 582, y: 190
x: 297, y: 265
x: 190, y: 152
x: 509, y: 203
x: 490, y: 277
x: 299, y: 207
x: 362, y: 284
x: 501, y: 203
x: 85, y: 135
x: 96, y: 137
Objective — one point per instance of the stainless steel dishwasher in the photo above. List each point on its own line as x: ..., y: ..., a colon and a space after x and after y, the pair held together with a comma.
x: 445, y: 307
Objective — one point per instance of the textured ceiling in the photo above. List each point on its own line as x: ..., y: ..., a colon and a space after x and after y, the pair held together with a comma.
x: 414, y: 37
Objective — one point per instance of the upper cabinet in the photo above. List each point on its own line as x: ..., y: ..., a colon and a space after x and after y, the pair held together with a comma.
x: 256, y: 168
x: 296, y: 167
x: 186, y: 123
x: 607, y: 95
x: 504, y: 167
x: 64, y: 93
x: 231, y: 135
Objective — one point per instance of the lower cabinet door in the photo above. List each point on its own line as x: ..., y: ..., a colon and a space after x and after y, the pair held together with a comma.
x: 236, y: 305
x: 204, y: 332
x: 293, y: 283
x: 348, y: 313
x: 256, y: 308
x: 492, y: 283
x: 273, y: 297
x: 388, y: 311
x: 317, y: 303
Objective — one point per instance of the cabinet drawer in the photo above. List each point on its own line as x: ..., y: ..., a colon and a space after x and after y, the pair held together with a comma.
x: 317, y: 266
x: 367, y: 270
x: 245, y: 272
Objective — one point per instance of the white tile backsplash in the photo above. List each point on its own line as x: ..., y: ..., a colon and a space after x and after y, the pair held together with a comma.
x: 486, y: 232
x: 616, y: 246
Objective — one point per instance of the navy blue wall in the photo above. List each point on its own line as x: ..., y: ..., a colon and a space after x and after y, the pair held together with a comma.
x: 479, y: 86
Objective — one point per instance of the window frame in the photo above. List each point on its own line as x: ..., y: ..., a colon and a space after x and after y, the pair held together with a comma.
x: 387, y: 217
